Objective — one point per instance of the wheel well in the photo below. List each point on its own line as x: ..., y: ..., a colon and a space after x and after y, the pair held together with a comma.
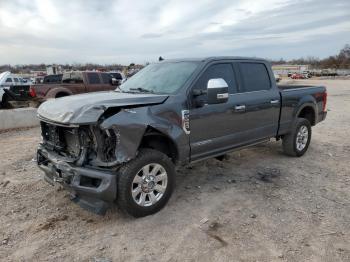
x: 61, y: 94
x: 158, y: 141
x: 309, y: 114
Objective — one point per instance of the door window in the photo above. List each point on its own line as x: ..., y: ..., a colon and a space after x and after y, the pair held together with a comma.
x: 255, y: 77
x: 106, y: 78
x: 224, y: 71
x: 8, y: 80
x: 93, y: 78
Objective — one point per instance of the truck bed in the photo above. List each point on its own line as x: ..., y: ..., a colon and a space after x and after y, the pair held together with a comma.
x: 18, y: 93
x: 285, y: 87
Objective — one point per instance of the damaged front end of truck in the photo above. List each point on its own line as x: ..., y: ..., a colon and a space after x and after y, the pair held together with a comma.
x: 83, y: 146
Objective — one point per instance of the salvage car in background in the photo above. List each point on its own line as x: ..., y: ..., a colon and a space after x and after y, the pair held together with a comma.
x: 298, y: 76
x: 52, y: 79
x: 75, y: 82
x: 277, y: 77
x: 120, y: 77
x: 11, y: 81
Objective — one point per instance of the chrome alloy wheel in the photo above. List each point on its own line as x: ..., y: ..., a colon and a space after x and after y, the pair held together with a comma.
x: 149, y: 184
x: 302, y: 138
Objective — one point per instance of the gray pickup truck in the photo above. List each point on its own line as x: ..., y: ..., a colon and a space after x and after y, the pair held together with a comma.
x: 121, y: 146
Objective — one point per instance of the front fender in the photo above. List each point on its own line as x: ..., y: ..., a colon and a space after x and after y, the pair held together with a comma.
x: 130, y: 126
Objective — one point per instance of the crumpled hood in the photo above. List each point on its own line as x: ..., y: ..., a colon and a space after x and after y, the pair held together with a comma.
x: 87, y: 108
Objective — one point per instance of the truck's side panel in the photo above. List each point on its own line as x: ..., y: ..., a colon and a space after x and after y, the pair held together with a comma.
x: 295, y: 100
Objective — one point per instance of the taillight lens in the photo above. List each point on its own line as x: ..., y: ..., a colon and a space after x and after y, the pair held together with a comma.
x: 32, y: 92
x: 324, y: 108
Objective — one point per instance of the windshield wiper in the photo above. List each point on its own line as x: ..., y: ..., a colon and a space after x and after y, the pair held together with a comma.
x: 141, y: 90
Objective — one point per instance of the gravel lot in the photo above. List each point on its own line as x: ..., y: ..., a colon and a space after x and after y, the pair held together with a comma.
x: 259, y: 205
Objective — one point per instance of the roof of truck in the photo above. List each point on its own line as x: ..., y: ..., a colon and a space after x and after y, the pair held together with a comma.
x: 213, y: 58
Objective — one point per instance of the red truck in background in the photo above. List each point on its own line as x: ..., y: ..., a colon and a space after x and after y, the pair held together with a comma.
x: 75, y: 82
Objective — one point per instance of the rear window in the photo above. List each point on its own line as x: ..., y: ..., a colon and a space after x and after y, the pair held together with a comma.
x: 255, y: 77
x: 93, y: 78
x: 106, y: 78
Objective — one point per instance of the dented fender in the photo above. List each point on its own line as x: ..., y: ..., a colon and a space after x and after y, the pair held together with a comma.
x: 130, y: 126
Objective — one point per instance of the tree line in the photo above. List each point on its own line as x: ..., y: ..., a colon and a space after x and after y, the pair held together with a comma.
x: 26, y: 69
x: 339, y: 61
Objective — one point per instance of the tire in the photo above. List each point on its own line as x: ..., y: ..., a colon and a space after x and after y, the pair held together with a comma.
x: 132, y: 178
x: 61, y: 95
x: 295, y: 143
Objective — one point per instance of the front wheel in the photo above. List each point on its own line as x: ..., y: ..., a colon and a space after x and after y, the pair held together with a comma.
x: 297, y: 142
x: 145, y: 183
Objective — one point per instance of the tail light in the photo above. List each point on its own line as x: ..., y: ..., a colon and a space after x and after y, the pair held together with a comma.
x: 324, y: 107
x: 32, y: 92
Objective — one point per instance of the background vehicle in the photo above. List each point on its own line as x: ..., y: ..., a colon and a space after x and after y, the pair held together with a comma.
x: 53, y: 79
x: 8, y: 79
x: 11, y: 81
x: 277, y: 77
x: 120, y: 77
x: 307, y: 74
x: 75, y: 82
x: 123, y: 145
x: 298, y: 76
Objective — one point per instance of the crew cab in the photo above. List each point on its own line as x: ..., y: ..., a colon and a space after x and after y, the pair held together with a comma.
x: 75, y: 82
x: 123, y: 145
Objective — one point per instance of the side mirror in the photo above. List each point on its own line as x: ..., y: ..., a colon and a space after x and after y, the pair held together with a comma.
x: 217, y: 91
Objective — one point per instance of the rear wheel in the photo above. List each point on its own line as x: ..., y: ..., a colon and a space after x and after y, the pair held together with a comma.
x: 297, y: 142
x: 61, y: 95
x: 146, y: 183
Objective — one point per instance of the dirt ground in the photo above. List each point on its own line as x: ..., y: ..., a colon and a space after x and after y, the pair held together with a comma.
x: 259, y: 205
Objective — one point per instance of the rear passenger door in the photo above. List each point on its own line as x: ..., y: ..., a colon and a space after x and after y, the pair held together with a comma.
x: 256, y: 106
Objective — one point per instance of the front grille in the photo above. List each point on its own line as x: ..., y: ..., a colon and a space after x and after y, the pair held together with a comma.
x: 52, y: 136
x: 62, y: 140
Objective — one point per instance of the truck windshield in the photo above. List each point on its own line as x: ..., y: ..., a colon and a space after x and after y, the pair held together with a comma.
x: 160, y: 78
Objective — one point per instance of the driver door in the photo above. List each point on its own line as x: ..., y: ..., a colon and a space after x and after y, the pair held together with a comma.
x: 209, y: 125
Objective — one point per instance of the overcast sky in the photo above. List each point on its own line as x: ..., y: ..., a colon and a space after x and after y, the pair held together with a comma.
x: 125, y: 31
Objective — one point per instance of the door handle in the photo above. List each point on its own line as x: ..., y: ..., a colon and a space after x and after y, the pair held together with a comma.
x: 240, y: 108
x: 274, y: 101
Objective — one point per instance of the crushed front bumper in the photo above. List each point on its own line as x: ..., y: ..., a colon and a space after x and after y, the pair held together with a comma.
x: 93, y: 189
